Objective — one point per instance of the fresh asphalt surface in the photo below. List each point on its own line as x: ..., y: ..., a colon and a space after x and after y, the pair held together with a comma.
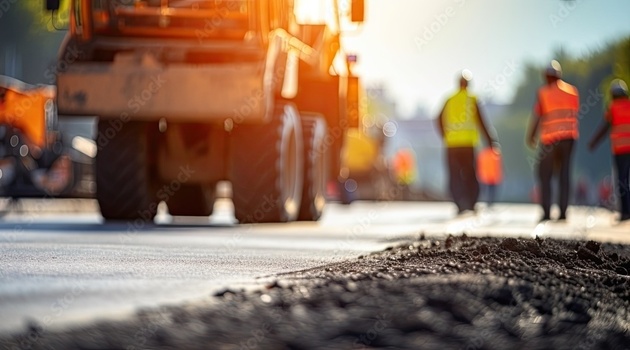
x: 60, y: 265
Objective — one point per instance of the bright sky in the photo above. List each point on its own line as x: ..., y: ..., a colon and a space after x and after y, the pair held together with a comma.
x: 417, y: 47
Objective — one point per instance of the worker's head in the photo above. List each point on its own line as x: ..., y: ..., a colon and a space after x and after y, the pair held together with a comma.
x: 553, y: 71
x: 465, y: 76
x: 618, y: 89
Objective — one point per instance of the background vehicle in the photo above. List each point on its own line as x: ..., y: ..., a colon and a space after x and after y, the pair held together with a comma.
x: 364, y: 172
x: 189, y: 93
x: 36, y: 158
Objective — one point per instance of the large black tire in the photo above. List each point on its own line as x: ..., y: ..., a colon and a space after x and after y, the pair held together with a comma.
x: 123, y: 180
x: 266, y: 168
x: 191, y: 200
x: 315, y: 167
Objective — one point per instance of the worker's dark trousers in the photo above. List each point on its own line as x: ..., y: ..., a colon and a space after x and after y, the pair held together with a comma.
x: 555, y: 158
x: 622, y: 164
x: 463, y: 182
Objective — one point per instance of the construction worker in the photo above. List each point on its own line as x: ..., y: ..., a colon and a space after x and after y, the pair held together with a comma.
x: 555, y: 116
x: 404, y: 166
x: 617, y: 121
x: 459, y: 123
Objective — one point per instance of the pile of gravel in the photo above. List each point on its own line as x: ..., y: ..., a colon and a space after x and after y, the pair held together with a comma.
x: 454, y: 293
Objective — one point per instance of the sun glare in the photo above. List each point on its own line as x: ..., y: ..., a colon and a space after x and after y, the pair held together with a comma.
x: 314, y: 11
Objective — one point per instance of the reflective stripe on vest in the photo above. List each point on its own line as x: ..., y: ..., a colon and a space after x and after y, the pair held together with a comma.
x: 460, y: 120
x: 620, y: 121
x: 559, y: 104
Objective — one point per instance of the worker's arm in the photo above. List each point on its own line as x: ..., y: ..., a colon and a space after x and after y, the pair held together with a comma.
x: 603, y: 129
x: 482, y: 124
x: 533, y: 129
x: 599, y: 135
x: 440, y: 122
x: 533, y: 126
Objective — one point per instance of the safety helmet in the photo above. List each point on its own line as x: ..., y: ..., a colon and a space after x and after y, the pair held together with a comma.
x: 465, y: 75
x: 554, y: 69
x: 618, y: 88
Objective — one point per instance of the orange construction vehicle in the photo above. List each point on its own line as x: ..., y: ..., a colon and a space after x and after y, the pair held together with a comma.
x: 35, y: 160
x: 192, y: 92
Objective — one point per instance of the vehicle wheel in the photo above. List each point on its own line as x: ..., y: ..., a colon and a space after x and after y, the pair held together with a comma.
x: 123, y: 182
x: 191, y: 200
x: 267, y: 168
x: 315, y: 167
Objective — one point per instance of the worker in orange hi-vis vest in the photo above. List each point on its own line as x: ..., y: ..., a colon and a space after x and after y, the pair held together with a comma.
x: 617, y: 121
x: 556, y: 118
x: 404, y: 164
x: 404, y: 168
x: 490, y: 171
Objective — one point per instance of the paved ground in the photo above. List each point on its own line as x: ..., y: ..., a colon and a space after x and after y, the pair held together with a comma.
x: 100, y: 268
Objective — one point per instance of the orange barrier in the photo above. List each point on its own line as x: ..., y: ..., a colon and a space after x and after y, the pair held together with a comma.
x: 489, y: 166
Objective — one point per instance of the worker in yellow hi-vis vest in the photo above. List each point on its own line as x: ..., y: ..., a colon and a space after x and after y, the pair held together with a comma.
x: 459, y: 124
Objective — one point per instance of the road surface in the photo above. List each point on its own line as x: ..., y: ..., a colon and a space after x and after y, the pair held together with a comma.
x: 60, y: 265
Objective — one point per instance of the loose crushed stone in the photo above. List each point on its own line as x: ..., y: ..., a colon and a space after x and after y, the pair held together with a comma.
x: 454, y: 293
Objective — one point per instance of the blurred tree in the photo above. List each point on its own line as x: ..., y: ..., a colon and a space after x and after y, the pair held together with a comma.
x: 525, y: 95
x: 621, y: 68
